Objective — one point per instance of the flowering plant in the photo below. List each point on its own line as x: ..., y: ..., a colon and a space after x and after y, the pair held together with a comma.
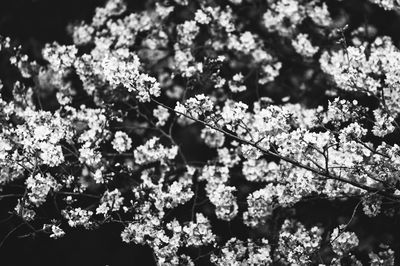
x: 102, y: 130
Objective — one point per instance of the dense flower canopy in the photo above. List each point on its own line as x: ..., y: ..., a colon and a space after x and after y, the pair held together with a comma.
x: 97, y: 129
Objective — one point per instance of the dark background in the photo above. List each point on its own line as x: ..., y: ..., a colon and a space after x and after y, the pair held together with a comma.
x: 35, y: 22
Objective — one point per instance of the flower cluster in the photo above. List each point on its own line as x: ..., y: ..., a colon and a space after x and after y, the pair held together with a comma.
x: 342, y: 241
x: 39, y: 186
x: 237, y: 252
x: 111, y: 201
x: 121, y: 142
x: 297, y: 245
x: 153, y: 151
